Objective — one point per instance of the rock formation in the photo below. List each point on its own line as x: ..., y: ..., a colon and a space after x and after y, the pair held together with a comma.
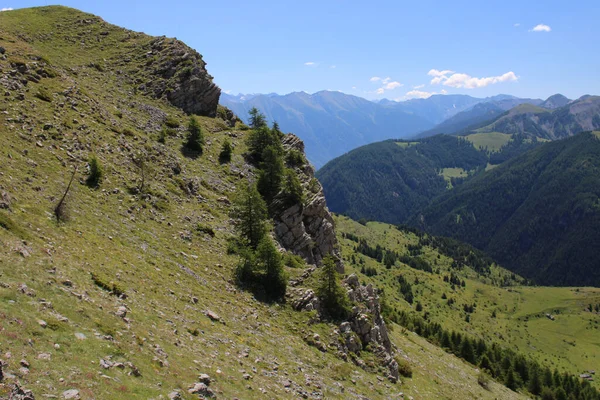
x: 365, y: 328
x: 307, y: 229
x: 179, y: 73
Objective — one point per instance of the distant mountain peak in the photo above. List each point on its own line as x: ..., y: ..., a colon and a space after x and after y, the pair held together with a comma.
x: 555, y: 101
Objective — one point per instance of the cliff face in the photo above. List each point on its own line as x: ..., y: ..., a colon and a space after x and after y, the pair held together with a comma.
x: 179, y: 74
x: 307, y: 229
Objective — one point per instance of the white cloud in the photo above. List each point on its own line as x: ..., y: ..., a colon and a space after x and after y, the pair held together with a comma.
x: 310, y: 64
x: 227, y: 91
x: 353, y: 87
x: 332, y: 67
x: 517, y: 25
x: 459, y: 80
x: 6, y: 9
x: 435, y: 72
x: 387, y: 84
x: 418, y: 87
x: 392, y: 85
x: 540, y: 28
x: 420, y: 94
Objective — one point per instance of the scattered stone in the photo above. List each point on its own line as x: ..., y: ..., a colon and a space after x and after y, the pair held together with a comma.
x: 24, y: 363
x: 44, y: 356
x: 71, y: 394
x: 213, y: 316
x: 201, y: 389
x: 18, y: 393
x: 80, y: 336
x: 204, y: 378
x: 42, y: 323
x: 121, y: 312
x: 174, y: 395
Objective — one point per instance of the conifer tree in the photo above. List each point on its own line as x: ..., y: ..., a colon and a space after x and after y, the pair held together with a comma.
x: 251, y: 210
x: 195, y: 138
x: 535, y: 383
x: 257, y: 119
x: 270, y: 174
x: 332, y: 295
x: 270, y: 262
x: 510, y: 381
x: 226, y: 151
x: 291, y: 190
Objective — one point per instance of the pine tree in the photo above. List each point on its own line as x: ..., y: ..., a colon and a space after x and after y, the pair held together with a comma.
x: 251, y: 210
x: 535, y: 383
x: 332, y: 295
x: 274, y: 281
x: 270, y: 174
x: 485, y: 363
x: 258, y: 140
x: 510, y: 381
x: 257, y: 119
x: 291, y: 191
x: 195, y: 138
x: 560, y: 394
x: 466, y: 350
x: 226, y: 151
x: 95, y: 176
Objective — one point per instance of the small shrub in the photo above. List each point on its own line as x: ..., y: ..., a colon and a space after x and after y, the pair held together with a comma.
x: 226, y: 151
x: 95, y: 177
x: 110, y: 287
x: 162, y: 136
x: 44, y: 94
x: 484, y: 380
x: 404, y: 367
x: 128, y: 132
x: 294, y: 261
x: 205, y: 229
x: 119, y: 114
x: 172, y: 122
x: 195, y: 138
x: 243, y: 127
x: 294, y: 158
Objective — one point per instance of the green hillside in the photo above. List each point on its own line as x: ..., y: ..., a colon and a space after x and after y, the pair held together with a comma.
x: 127, y: 290
x: 500, y: 309
x: 537, y: 213
x: 392, y: 180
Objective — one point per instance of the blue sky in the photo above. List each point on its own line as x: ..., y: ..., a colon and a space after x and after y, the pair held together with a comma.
x: 414, y: 48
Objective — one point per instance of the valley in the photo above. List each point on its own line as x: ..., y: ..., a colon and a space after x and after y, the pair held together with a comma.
x: 163, y: 239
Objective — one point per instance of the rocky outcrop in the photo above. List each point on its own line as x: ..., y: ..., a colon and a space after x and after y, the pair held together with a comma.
x: 307, y: 229
x: 368, y: 325
x: 365, y: 329
x: 179, y: 73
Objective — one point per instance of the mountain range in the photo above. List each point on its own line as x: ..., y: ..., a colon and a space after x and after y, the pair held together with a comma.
x: 333, y: 123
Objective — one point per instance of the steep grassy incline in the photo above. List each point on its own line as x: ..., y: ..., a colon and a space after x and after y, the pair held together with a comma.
x: 131, y: 295
x: 538, y: 214
x: 492, y: 305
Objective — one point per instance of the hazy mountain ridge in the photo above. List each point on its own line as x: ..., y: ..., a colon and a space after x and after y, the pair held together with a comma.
x: 333, y: 123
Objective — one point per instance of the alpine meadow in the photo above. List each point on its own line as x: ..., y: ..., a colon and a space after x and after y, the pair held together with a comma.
x: 286, y: 201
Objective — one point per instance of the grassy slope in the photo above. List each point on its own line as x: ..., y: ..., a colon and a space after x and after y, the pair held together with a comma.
x: 142, y: 244
x: 568, y: 343
x: 492, y: 141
